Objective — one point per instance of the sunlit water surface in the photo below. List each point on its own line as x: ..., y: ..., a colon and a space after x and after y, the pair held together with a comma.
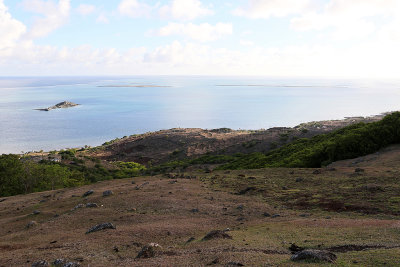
x: 109, y: 110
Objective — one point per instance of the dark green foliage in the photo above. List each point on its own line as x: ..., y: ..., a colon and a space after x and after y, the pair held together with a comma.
x: 111, y: 142
x: 221, y: 130
x: 22, y: 175
x: 251, y: 143
x: 349, y: 142
x: 68, y: 154
x: 128, y: 169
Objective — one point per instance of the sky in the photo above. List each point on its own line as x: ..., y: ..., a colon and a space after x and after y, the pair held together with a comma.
x: 275, y: 38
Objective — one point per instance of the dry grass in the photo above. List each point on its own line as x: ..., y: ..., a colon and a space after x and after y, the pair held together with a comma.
x: 161, y: 212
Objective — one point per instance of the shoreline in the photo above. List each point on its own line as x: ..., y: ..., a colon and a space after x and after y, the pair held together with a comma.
x: 312, y: 127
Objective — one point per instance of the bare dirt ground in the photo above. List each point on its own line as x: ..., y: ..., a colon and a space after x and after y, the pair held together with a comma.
x: 170, y: 212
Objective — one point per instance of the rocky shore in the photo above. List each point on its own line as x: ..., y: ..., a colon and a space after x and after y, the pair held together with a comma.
x: 64, y: 104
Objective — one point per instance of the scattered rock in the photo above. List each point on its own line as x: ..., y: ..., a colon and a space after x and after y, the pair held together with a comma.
x: 170, y: 175
x: 99, y: 227
x: 240, y: 207
x: 242, y: 175
x: 266, y: 214
x: 299, y: 179
x: 65, y: 263
x: 331, y: 169
x: 173, y: 182
x: 317, y: 171
x: 148, y: 251
x: 305, y: 215
x: 116, y: 249
x: 314, y: 255
x: 31, y: 224
x: 194, y: 210
x: 295, y: 248
x: 285, y: 188
x: 107, y: 193
x: 41, y: 263
x: 59, y: 262
x: 79, y: 206
x: 133, y: 182
x: 91, y: 205
x: 244, y: 191
x: 190, y: 240
x: 215, y: 261
x: 36, y: 212
x: 252, y: 178
x: 216, y: 234
x: 88, y: 193
x: 3, y: 199
x: 140, y: 186
x: 275, y: 216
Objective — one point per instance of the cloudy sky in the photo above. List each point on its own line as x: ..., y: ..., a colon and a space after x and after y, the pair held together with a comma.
x: 307, y: 38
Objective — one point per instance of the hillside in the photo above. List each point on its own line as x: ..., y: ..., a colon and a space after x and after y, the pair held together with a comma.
x: 192, y: 214
x: 266, y: 212
x: 176, y: 144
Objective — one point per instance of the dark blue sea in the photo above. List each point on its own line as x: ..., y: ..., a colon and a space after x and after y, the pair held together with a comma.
x: 113, y: 107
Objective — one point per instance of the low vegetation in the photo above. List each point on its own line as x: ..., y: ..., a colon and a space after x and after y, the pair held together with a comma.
x: 22, y: 175
x: 349, y: 142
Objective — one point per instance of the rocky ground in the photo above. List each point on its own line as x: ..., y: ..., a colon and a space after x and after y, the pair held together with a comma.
x: 223, y: 218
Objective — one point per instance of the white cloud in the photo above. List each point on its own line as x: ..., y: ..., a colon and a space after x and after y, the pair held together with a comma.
x: 54, y: 16
x: 102, y: 18
x: 348, y: 19
x: 85, y: 9
x: 11, y: 30
x: 203, y: 32
x: 185, y: 10
x: 246, y: 42
x: 134, y: 8
x: 374, y: 59
x: 264, y: 9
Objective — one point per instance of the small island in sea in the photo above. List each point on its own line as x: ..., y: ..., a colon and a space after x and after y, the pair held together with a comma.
x: 64, y: 104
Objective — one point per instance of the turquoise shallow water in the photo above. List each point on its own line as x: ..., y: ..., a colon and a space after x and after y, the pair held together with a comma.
x: 107, y: 111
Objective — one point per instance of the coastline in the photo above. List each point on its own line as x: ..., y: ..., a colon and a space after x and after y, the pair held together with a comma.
x: 196, y: 141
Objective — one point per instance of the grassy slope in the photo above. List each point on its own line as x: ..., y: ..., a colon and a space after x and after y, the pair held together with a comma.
x: 161, y: 212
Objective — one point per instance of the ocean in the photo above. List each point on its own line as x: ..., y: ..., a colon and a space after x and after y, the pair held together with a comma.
x: 113, y: 107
